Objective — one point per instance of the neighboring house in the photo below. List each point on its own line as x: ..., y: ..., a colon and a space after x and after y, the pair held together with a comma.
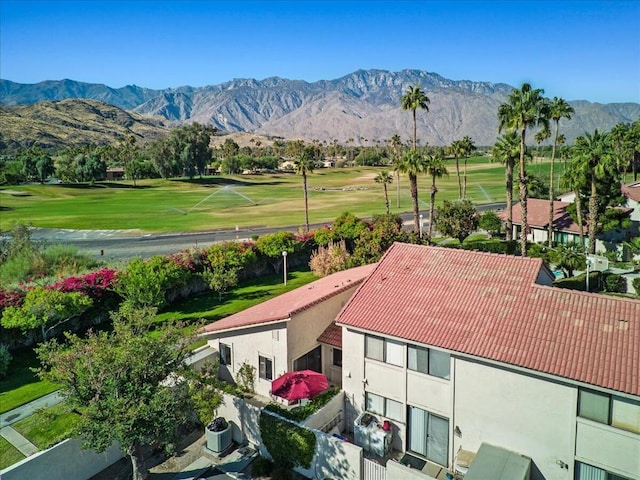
x: 115, y: 173
x: 290, y: 332
x: 458, y: 349
x: 632, y: 192
x: 565, y: 230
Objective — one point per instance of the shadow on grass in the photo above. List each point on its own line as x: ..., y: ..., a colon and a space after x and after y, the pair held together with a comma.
x: 92, y: 186
x: 224, y: 182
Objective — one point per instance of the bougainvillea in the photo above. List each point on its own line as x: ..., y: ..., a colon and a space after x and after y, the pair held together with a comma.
x: 94, y: 285
x: 11, y: 298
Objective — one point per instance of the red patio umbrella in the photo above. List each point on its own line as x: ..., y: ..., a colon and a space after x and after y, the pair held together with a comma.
x: 298, y: 385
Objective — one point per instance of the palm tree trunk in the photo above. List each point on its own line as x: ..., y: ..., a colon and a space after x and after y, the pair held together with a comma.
x: 509, y: 181
x: 524, y: 194
x: 415, y: 130
x: 306, y: 202
x: 398, y: 189
x: 459, y: 181
x: 464, y: 188
x: 551, y: 195
x: 593, y: 215
x: 413, y: 181
x: 386, y: 197
x: 434, y: 190
x: 579, y: 215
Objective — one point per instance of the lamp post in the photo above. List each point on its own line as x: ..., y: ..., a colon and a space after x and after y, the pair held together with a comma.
x: 284, y: 256
x: 421, y: 225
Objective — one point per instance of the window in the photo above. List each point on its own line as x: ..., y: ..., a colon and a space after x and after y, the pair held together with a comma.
x: 266, y: 368
x: 428, y: 435
x: 337, y: 357
x: 587, y: 472
x: 427, y: 360
x: 310, y: 361
x: 225, y: 354
x: 384, y: 350
x: 611, y: 410
x: 383, y: 406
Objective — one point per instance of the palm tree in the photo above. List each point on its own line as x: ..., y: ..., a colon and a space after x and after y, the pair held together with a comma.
x: 506, y: 150
x: 457, y: 150
x: 396, y: 144
x: 594, y: 157
x: 385, y: 179
x: 524, y: 108
x: 304, y: 165
x: 558, y: 108
x: 467, y: 148
x: 413, y: 99
x: 436, y: 168
x: 412, y: 163
x: 571, y: 179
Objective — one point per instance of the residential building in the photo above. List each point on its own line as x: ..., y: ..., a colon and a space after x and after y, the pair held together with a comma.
x: 457, y: 349
x: 293, y: 331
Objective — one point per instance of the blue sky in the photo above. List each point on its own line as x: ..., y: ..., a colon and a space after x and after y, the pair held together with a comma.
x: 573, y: 49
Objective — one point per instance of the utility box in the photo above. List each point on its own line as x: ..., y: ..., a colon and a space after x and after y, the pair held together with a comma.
x: 498, y: 464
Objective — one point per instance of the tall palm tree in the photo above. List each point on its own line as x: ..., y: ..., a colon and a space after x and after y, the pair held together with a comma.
x: 385, y: 179
x: 506, y: 150
x: 396, y: 145
x: 412, y: 163
x: 304, y: 166
x: 413, y: 99
x: 524, y: 108
x: 467, y: 148
x: 594, y: 159
x: 572, y: 179
x: 457, y: 150
x: 436, y: 168
x: 558, y: 108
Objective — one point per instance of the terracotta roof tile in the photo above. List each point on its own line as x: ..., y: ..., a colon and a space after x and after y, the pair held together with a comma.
x: 284, y: 306
x: 489, y: 306
x: 332, y: 336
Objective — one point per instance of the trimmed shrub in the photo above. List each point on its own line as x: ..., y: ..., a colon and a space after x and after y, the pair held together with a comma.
x: 635, y: 283
x: 615, y: 283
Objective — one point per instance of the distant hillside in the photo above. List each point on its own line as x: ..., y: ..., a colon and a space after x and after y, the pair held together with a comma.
x: 73, y: 123
x: 362, y: 105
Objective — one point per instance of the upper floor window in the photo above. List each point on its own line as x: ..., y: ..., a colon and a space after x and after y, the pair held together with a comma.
x: 384, y: 350
x: 225, y: 354
x: 266, y: 368
x: 337, y: 357
x: 609, y: 409
x: 587, y: 472
x: 429, y: 361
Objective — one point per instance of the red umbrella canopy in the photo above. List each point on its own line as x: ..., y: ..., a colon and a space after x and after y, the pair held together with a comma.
x: 297, y: 385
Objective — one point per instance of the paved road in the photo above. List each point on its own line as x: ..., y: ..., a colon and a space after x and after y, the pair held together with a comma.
x: 122, y: 244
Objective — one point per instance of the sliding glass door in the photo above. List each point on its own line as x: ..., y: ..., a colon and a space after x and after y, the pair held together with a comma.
x: 429, y: 435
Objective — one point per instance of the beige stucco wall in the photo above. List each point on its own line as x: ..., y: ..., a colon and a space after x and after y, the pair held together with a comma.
x: 609, y: 448
x: 518, y: 412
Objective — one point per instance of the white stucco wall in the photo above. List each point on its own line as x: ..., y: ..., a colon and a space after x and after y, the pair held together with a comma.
x: 520, y: 413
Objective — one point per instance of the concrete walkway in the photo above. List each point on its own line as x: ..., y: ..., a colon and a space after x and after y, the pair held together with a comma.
x: 23, y: 411
x: 22, y: 444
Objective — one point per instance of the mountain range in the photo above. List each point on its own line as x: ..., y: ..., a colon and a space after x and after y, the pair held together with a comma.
x: 363, y: 106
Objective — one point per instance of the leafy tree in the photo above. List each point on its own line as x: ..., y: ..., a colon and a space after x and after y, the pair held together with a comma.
x: 118, y: 382
x: 223, y: 264
x: 558, y: 109
x: 230, y: 148
x: 348, y: 227
x: 45, y: 309
x: 384, y: 178
x: 413, y: 99
x: 490, y: 222
x: 193, y: 143
x: 304, y: 166
x: 412, y: 163
x: 145, y: 282
x: 272, y: 246
x: 205, y: 390
x: 524, y: 108
x: 128, y: 152
x: 373, y: 242
x: 436, y: 168
x: 456, y: 219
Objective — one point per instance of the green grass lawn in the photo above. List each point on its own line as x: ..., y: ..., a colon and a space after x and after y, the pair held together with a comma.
x: 22, y: 385
x: 58, y: 420
x: 244, y: 200
x: 8, y: 454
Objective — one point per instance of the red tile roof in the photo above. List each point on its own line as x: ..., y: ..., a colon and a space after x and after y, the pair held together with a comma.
x: 632, y: 191
x: 489, y: 306
x: 284, y: 306
x: 538, y: 215
x: 332, y: 335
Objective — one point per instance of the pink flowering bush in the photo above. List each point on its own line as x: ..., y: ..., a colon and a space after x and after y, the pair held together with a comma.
x: 94, y: 285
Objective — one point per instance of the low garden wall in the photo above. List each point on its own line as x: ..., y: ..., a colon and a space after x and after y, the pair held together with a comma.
x: 63, y: 461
